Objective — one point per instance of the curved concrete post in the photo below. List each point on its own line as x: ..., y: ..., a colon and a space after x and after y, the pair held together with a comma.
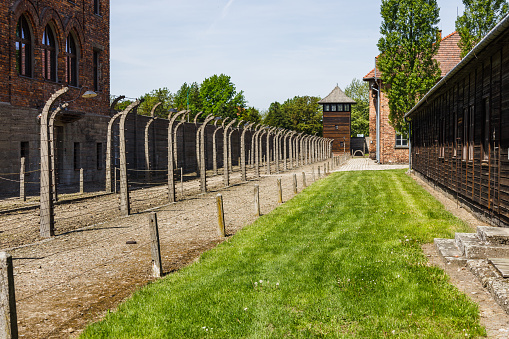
x: 267, y: 156
x: 52, y: 148
x: 253, y: 143
x: 108, y: 152
x: 226, y: 171
x: 175, y: 149
x: 171, y: 171
x: 243, y: 151
x: 285, y: 149
x: 125, y: 206
x: 203, y: 164
x: 197, y: 144
x: 47, y: 225
x: 278, y: 148
x: 258, y: 151
x: 147, y: 151
x: 230, y: 166
x: 214, y: 147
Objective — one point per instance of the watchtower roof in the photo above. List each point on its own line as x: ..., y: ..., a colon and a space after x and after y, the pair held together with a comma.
x: 337, y: 96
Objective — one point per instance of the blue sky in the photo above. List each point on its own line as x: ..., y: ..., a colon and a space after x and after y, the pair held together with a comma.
x: 272, y: 49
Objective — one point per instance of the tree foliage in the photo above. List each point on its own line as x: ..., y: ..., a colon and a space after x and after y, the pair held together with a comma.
x: 359, y: 91
x: 188, y: 93
x: 410, y: 39
x: 301, y: 114
x: 479, y: 17
x: 162, y: 95
x: 250, y: 114
x: 220, y: 98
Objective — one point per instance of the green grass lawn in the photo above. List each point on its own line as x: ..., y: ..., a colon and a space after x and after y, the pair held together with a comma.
x: 342, y: 259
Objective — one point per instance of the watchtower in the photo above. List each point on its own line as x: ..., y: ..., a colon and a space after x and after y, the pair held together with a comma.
x: 337, y: 108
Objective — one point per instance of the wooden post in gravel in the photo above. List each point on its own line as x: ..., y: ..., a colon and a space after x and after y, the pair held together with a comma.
x: 157, y: 266
x: 295, y: 183
x: 182, y: 183
x: 22, y: 194
x: 279, y: 191
x: 81, y: 181
x: 328, y: 167
x: 257, y: 200
x: 313, y: 173
x: 304, y: 180
x: 220, y: 216
x: 8, y: 317
x: 318, y: 172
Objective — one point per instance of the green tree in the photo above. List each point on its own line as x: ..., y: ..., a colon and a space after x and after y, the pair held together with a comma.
x: 275, y: 116
x: 359, y: 91
x: 219, y: 97
x: 410, y: 39
x: 162, y: 95
x: 250, y: 114
x: 304, y: 114
x: 188, y: 93
x: 479, y: 17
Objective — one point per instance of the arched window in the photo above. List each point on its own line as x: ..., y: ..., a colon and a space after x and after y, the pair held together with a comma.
x: 71, y: 61
x: 24, y: 47
x: 49, y: 54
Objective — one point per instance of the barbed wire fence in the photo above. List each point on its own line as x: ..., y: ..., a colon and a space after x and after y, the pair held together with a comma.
x: 146, y: 160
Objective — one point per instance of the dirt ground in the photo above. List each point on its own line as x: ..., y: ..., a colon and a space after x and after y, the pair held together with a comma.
x: 72, y: 279
x: 493, y: 317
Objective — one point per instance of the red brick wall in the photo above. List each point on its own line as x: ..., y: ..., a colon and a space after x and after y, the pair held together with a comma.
x: 389, y: 153
x: 92, y: 32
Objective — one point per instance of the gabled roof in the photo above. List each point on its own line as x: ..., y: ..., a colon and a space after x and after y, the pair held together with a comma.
x: 337, y: 96
x: 448, y: 56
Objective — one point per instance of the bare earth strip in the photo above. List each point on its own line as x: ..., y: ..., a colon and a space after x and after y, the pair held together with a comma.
x: 72, y: 279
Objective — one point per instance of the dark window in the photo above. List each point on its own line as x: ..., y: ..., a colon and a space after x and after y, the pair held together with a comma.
x: 49, y: 55
x: 346, y: 107
x: 401, y: 140
x: 96, y: 70
x: 71, y: 62
x: 340, y: 108
x: 24, y: 150
x: 471, y: 133
x: 333, y: 107
x: 326, y: 107
x: 336, y: 127
x: 99, y: 155
x: 486, y: 129
x: 76, y: 156
x: 97, y: 7
x: 23, y: 47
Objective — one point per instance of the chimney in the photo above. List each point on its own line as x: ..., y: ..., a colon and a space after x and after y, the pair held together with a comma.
x: 440, y: 33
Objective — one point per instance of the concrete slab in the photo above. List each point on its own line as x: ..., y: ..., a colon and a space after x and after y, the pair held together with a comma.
x: 493, y: 235
x: 502, y: 265
x: 449, y: 251
x: 472, y: 247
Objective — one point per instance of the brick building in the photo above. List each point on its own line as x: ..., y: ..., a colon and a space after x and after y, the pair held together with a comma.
x: 337, y: 108
x: 394, y: 146
x: 47, y: 45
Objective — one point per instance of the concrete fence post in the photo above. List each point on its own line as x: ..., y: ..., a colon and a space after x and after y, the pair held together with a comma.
x: 82, y: 179
x: 125, y: 205
x: 257, y: 200
x: 295, y: 191
x: 8, y: 316
x: 279, y: 191
x: 304, y: 184
x: 157, y: 267
x: 220, y: 216
x: 22, y: 194
x: 182, y: 183
x: 171, y: 161
x: 115, y: 178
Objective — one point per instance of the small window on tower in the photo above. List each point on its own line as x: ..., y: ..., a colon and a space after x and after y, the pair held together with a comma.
x: 336, y: 127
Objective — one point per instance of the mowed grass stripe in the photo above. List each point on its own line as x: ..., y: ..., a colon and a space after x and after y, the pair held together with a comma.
x: 342, y: 259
